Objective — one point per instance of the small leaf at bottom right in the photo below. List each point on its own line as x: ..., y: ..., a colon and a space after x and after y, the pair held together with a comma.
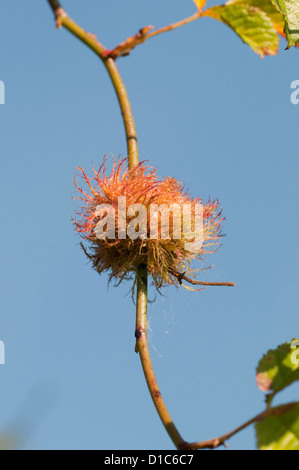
x: 279, y: 431
x: 279, y: 368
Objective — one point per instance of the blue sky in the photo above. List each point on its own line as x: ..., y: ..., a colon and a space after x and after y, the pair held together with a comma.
x: 210, y: 113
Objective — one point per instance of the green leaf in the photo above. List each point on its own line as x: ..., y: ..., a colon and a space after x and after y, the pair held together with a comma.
x: 290, y: 10
x: 280, y: 430
x: 279, y: 368
x: 267, y: 7
x: 252, y: 25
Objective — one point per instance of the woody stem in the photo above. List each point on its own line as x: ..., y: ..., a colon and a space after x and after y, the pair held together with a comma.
x: 91, y: 41
x: 142, y: 348
x: 142, y: 274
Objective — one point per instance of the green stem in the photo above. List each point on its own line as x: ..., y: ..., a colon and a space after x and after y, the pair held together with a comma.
x: 91, y: 41
x: 174, y: 26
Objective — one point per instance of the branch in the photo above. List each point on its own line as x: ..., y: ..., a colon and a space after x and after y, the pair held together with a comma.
x: 173, y: 26
x: 90, y: 40
x: 182, y: 277
x: 129, y: 44
x: 55, y: 5
x: 143, y: 35
x: 221, y: 441
x: 142, y: 348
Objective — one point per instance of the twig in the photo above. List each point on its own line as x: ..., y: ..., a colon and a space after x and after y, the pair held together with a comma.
x: 182, y: 277
x: 55, y: 5
x: 142, y: 348
x: 143, y: 35
x: 173, y: 26
x: 220, y: 441
x: 142, y: 275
